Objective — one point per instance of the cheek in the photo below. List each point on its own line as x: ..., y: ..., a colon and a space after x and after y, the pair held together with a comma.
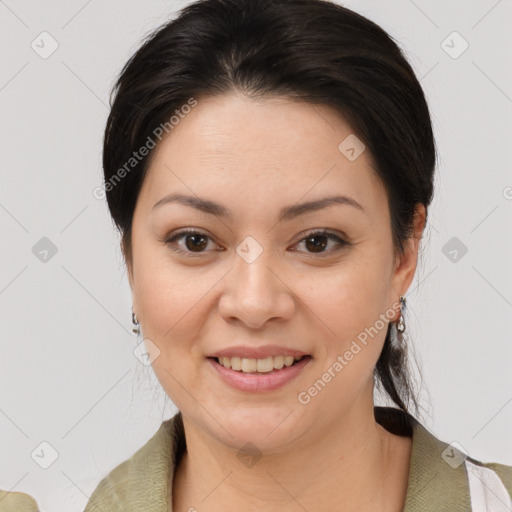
x: 347, y: 306
x: 173, y: 309
x: 348, y: 298
x: 173, y: 304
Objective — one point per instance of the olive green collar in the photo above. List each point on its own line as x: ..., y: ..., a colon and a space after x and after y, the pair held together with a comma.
x: 433, y: 484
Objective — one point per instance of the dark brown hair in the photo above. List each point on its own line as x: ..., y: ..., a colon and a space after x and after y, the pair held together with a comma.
x: 309, y: 50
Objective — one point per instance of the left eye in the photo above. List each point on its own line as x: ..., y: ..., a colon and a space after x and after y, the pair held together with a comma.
x: 325, y: 237
x: 196, y: 242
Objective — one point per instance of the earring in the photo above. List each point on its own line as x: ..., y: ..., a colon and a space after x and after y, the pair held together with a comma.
x: 135, y: 322
x: 401, y: 324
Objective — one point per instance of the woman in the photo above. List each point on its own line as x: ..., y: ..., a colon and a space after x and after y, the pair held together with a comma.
x: 270, y: 166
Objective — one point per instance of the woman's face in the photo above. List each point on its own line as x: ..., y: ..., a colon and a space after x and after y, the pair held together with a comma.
x: 248, y: 277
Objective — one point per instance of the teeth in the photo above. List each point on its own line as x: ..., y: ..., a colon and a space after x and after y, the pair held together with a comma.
x: 257, y: 365
x: 249, y: 365
x: 278, y: 362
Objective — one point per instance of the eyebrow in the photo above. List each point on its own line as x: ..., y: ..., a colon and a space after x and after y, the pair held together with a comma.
x: 286, y: 213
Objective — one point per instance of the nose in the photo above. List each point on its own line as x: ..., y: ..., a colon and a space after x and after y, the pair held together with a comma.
x: 255, y: 294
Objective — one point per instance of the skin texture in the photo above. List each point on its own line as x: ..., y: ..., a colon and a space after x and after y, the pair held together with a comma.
x: 256, y: 157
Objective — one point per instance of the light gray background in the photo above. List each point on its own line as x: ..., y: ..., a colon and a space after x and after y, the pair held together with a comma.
x: 67, y: 372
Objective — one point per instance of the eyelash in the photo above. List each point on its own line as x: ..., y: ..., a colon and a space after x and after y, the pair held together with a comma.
x: 331, y: 236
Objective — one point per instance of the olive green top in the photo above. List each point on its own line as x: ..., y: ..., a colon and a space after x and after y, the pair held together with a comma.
x: 438, y: 479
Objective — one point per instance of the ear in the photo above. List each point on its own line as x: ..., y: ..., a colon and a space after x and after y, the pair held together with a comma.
x: 405, y: 266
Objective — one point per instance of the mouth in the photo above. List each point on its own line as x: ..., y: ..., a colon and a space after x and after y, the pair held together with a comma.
x: 265, y: 366
x: 259, y: 375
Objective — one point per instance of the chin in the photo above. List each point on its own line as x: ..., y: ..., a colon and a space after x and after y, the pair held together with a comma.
x: 266, y: 427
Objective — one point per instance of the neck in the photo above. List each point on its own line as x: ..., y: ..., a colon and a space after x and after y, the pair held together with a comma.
x: 348, y: 466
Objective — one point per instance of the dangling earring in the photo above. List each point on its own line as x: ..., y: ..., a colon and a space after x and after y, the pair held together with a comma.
x: 135, y: 322
x: 401, y: 324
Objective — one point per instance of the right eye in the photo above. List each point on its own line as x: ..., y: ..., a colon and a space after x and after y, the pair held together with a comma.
x: 194, y: 241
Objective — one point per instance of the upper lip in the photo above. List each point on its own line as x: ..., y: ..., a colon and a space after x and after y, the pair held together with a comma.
x: 251, y: 352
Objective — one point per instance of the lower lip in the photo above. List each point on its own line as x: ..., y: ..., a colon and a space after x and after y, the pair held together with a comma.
x: 260, y: 381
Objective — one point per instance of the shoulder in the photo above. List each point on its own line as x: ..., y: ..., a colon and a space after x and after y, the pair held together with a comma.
x: 504, y: 472
x: 140, y: 482
x: 442, y: 476
x: 112, y: 491
x: 452, y: 478
x: 17, y: 502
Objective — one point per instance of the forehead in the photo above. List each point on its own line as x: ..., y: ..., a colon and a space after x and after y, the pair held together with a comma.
x: 265, y: 151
